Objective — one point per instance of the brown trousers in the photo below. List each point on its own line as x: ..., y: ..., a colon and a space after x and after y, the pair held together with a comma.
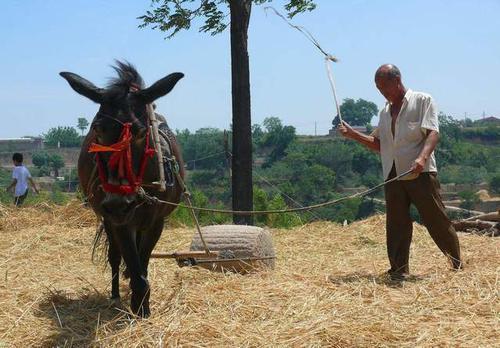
x: 423, y: 192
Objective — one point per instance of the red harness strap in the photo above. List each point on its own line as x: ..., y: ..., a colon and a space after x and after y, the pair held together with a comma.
x: 121, y: 160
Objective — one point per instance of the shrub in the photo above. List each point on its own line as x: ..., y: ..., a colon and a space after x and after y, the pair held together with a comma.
x: 495, y: 183
x: 260, y: 202
x: 286, y: 220
x: 462, y: 174
x: 469, y: 199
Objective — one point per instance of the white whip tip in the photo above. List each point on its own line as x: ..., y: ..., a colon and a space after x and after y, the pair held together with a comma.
x: 332, y: 58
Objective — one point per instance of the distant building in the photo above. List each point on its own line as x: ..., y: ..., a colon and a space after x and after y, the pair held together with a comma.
x: 21, y: 144
x: 490, y: 120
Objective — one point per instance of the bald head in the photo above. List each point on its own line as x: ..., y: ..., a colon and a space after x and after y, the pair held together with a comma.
x: 388, y: 81
x: 388, y: 71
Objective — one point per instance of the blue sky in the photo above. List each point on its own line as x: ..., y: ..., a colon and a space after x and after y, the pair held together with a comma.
x: 450, y: 49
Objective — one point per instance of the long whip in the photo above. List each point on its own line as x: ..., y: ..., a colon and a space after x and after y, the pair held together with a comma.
x: 328, y: 57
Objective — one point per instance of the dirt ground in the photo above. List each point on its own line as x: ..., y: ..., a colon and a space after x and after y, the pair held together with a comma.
x: 328, y: 289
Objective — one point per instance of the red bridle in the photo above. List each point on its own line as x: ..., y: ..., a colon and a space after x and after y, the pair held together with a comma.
x: 121, y: 160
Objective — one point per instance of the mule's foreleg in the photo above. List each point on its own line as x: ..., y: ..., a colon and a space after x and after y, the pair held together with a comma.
x: 114, y: 259
x: 127, y: 242
x: 149, y: 239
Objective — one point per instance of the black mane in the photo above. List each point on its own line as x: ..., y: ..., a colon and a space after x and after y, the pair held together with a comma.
x: 128, y: 77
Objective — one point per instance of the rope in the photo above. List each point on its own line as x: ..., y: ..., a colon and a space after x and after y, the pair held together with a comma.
x: 152, y: 199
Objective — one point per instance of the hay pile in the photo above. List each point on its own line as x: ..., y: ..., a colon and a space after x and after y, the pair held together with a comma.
x: 327, y: 290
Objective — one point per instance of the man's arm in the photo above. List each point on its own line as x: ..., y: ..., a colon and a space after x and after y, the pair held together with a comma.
x: 431, y: 141
x: 430, y: 124
x: 369, y: 141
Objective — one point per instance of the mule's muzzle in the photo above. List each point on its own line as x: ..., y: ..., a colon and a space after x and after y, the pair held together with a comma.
x: 119, y: 208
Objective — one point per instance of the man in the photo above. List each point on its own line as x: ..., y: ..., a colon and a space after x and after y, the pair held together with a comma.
x: 20, y: 178
x: 406, y: 137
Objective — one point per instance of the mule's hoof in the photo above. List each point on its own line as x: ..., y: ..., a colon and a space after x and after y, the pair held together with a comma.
x: 142, y: 312
x: 140, y: 306
x: 115, y: 301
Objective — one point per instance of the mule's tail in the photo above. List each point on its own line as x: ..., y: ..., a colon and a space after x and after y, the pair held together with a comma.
x: 100, y: 245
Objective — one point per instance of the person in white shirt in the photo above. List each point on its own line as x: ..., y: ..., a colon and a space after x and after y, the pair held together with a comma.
x: 20, y: 178
x: 406, y: 137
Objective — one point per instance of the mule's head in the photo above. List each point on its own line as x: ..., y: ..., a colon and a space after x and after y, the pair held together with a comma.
x: 125, y: 100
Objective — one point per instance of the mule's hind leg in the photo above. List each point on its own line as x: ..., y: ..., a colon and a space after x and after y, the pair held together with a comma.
x: 149, y: 239
x: 114, y: 259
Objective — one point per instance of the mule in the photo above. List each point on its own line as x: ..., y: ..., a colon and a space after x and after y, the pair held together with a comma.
x: 117, y: 162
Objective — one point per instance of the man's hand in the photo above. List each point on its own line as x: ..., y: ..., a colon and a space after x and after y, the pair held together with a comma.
x: 345, y: 129
x: 369, y: 141
x: 418, y: 165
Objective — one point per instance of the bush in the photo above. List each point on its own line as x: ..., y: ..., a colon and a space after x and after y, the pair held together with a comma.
x: 367, y: 208
x: 5, y: 177
x: 45, y: 162
x: 286, y: 220
x: 495, y: 183
x: 469, y: 199
x: 463, y: 174
x: 345, y: 211
x: 202, y: 178
x: 203, y: 149
x: 260, y: 202
x: 182, y: 216
x: 56, y: 196
x: 5, y: 197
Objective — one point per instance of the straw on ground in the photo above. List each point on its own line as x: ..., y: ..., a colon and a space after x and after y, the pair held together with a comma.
x: 328, y: 289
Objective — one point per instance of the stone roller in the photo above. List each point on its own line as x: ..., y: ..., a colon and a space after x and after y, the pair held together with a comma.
x: 235, y: 248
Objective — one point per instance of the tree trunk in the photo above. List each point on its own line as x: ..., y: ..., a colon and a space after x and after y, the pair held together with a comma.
x: 242, y: 131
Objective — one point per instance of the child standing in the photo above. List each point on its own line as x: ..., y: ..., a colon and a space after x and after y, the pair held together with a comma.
x: 20, y: 178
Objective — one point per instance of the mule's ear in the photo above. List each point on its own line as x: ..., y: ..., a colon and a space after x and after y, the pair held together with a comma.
x: 160, y: 88
x: 84, y: 87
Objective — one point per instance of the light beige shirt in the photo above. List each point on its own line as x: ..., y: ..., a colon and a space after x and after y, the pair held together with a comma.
x: 418, y: 114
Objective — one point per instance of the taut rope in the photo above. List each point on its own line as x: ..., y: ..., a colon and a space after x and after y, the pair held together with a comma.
x: 155, y: 200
